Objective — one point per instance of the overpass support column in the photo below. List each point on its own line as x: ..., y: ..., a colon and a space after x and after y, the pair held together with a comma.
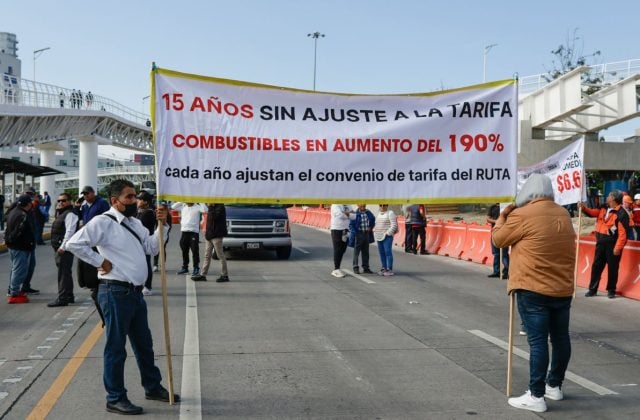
x: 48, y: 158
x: 88, y: 165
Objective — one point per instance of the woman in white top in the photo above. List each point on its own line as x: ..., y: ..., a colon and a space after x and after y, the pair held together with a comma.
x: 339, y: 229
x: 386, y: 226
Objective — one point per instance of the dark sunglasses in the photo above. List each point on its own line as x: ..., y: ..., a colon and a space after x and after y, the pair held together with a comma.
x: 62, y: 201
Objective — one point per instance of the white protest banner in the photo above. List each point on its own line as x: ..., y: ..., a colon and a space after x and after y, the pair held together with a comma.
x: 226, y: 141
x: 565, y: 168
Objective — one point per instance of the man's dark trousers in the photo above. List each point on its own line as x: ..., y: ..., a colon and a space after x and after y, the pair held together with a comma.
x: 190, y: 241
x: 604, y: 256
x: 64, y: 263
x: 361, y: 245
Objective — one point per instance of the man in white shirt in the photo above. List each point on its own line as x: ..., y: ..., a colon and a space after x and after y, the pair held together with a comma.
x: 122, y: 242
x: 190, y: 240
x: 339, y: 232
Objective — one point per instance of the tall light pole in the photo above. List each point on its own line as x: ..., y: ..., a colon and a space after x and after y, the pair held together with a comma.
x: 484, y: 61
x: 36, y: 54
x: 315, y: 37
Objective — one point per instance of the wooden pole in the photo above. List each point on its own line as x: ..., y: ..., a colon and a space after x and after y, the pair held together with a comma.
x: 165, y: 311
x: 512, y: 298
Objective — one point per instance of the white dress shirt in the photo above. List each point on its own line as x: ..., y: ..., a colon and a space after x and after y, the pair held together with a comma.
x: 339, y: 220
x: 189, y: 216
x: 118, y: 245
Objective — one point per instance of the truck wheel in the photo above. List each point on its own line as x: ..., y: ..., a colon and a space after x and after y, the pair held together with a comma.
x: 283, y: 252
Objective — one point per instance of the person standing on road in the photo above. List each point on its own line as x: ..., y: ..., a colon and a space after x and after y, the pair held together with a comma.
x: 91, y: 204
x: 190, y: 239
x: 611, y: 236
x: 492, y: 216
x: 148, y: 218
x: 339, y: 232
x: 360, y: 236
x: 386, y: 226
x: 216, y: 230
x: 418, y: 228
x: 63, y: 228
x: 543, y: 244
x: 408, y: 232
x: 123, y: 242
x: 20, y: 238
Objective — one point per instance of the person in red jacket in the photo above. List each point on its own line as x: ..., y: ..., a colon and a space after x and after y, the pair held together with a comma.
x: 611, y: 236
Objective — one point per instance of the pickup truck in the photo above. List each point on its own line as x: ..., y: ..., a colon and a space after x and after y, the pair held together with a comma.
x: 253, y: 227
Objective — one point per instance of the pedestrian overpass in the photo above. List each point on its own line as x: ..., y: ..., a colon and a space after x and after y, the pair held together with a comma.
x: 39, y: 115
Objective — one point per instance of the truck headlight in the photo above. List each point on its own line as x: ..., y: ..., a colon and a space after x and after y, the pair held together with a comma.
x: 281, y: 226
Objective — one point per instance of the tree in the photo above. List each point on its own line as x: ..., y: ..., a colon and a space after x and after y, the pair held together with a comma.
x: 569, y: 56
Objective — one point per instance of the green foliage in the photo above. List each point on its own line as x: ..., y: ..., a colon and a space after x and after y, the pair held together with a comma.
x: 569, y: 56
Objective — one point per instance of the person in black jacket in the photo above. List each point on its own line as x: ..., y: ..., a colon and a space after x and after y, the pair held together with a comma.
x: 62, y: 229
x: 148, y: 218
x: 216, y: 230
x: 20, y: 238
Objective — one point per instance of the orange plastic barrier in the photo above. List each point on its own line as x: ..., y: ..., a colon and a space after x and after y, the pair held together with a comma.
x: 296, y: 214
x: 628, y: 272
x: 434, y: 235
x: 453, y: 240
x: 175, y: 217
x: 398, y: 238
x: 478, y: 244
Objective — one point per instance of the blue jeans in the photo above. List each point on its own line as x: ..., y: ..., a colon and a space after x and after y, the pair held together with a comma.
x: 384, y: 249
x: 22, y: 265
x: 545, y: 317
x: 496, y: 260
x: 125, y: 314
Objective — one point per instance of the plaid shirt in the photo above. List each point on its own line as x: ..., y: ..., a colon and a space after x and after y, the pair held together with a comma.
x: 364, y: 222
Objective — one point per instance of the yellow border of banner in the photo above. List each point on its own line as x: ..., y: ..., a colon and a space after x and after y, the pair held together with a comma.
x: 255, y: 200
x: 190, y: 76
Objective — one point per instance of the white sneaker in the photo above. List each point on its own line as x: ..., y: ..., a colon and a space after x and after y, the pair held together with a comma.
x: 337, y: 273
x: 529, y: 402
x: 553, y: 392
x: 388, y: 273
x: 147, y: 292
x: 155, y: 268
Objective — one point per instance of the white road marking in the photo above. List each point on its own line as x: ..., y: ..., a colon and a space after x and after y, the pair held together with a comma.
x: 12, y: 380
x: 191, y: 398
x: 304, y: 251
x: 579, y: 380
x: 359, y: 277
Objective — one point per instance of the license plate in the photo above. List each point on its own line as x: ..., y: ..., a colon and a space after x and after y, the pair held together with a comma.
x: 252, y: 245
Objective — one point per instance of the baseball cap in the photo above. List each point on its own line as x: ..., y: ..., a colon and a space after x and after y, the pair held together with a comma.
x: 23, y: 200
x: 87, y: 189
x: 636, y: 197
x: 30, y: 190
x: 145, y: 196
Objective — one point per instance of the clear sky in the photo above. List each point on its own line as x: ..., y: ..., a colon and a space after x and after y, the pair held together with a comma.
x: 371, y: 46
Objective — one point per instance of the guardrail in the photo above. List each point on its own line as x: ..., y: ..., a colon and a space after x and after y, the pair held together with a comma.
x: 608, y: 73
x: 23, y: 92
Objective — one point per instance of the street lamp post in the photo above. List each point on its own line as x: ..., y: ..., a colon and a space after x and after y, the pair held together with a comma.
x: 484, y: 61
x: 36, y: 54
x: 315, y: 37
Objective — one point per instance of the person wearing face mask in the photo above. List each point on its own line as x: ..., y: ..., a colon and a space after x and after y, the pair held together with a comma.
x: 122, y: 242
x: 62, y: 229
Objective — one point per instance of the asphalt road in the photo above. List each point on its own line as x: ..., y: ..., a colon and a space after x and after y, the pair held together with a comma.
x: 286, y: 340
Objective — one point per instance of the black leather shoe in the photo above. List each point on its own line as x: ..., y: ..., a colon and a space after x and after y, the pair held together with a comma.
x: 356, y: 270
x: 161, y: 394
x: 57, y: 303
x: 199, y: 277
x: 367, y: 271
x: 125, y: 407
x: 590, y: 294
x: 493, y: 275
x: 611, y: 295
x: 31, y: 291
x: 183, y: 270
x: 222, y: 279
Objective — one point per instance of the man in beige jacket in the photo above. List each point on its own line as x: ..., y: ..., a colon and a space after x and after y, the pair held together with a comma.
x: 542, y: 241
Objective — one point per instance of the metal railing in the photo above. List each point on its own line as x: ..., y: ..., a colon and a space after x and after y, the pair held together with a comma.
x: 23, y: 92
x: 608, y: 73
x: 111, y: 170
